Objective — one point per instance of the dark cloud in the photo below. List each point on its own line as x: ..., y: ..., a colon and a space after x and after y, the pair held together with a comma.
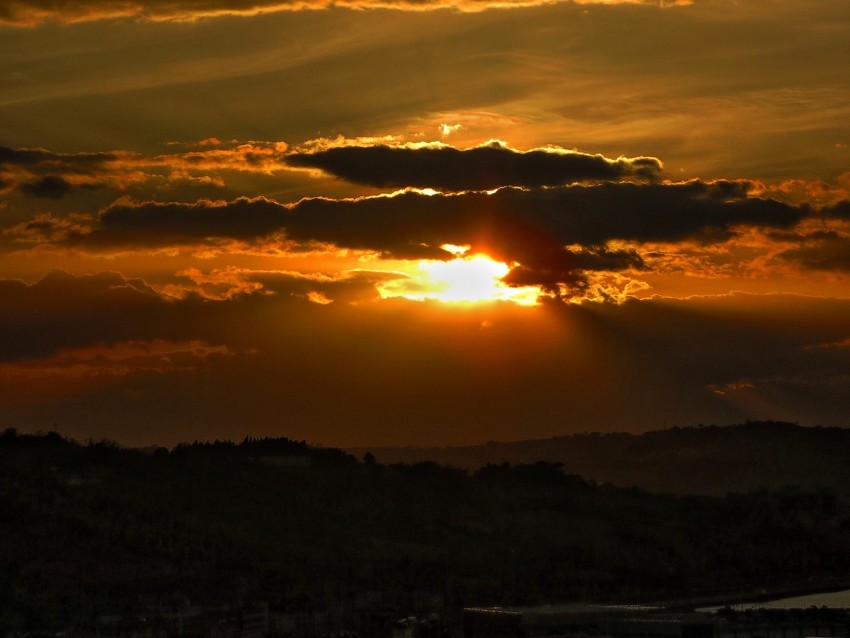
x: 827, y: 251
x: 167, y: 224
x: 61, y: 310
x: 66, y: 311
x: 482, y: 168
x: 50, y: 186
x: 42, y: 173
x: 21, y: 157
x: 82, y: 163
x: 533, y: 227
x: 564, y: 267
x: 587, y: 215
x: 840, y: 210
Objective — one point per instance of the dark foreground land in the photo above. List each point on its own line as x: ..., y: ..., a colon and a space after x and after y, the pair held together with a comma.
x: 95, y: 531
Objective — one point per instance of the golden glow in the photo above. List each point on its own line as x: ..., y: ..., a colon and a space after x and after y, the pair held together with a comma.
x: 319, y: 298
x: 474, y: 279
x: 470, y: 279
x: 455, y: 249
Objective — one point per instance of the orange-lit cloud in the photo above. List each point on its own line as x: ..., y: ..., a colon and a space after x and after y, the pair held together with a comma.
x: 816, y: 192
x: 730, y: 388
x: 34, y: 12
x: 45, y: 174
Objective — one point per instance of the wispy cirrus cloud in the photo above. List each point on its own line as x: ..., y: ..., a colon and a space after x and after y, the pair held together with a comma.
x: 34, y: 12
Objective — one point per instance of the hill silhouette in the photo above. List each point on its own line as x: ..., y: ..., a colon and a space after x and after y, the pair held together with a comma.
x: 93, y: 530
x: 710, y: 460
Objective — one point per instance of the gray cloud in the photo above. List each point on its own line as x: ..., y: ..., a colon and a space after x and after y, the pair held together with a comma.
x: 480, y: 168
x: 827, y: 251
x: 83, y: 163
x: 532, y: 227
x: 50, y: 186
x: 168, y: 224
x: 42, y: 173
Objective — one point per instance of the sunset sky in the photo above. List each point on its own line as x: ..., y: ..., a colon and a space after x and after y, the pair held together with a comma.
x: 427, y: 222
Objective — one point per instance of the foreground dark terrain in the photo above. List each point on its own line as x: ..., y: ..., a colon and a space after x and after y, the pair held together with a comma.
x: 94, y: 530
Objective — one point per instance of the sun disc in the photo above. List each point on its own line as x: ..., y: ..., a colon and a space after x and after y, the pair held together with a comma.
x: 473, y: 279
x: 466, y: 279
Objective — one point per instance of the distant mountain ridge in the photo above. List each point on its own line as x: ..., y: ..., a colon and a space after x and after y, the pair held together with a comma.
x: 711, y: 460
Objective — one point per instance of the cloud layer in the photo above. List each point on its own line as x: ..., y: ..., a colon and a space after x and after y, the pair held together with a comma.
x: 531, y: 227
x: 34, y: 12
x: 482, y: 168
x: 615, y: 215
x: 42, y: 173
x: 45, y: 174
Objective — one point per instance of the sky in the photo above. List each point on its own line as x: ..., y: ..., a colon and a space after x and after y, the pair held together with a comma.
x: 422, y: 222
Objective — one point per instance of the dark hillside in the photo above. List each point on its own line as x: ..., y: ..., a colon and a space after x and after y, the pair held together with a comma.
x: 710, y: 460
x: 93, y: 530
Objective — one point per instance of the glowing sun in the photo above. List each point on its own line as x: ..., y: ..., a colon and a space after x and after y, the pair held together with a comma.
x: 467, y: 279
x: 472, y: 279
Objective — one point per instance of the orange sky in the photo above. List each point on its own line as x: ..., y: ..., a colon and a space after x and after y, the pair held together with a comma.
x: 429, y: 223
